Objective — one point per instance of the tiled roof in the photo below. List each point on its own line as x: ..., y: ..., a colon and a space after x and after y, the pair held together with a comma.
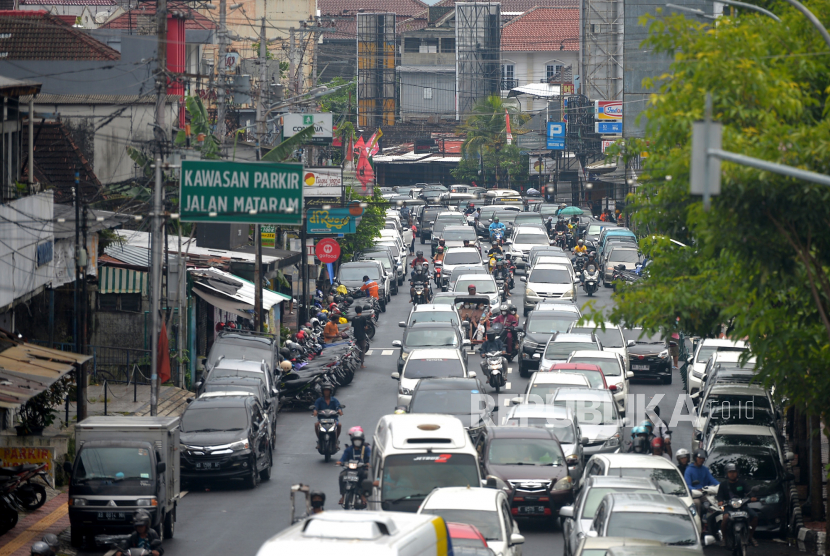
x: 522, y: 5
x: 351, y: 7
x: 68, y: 19
x: 67, y: 2
x: 542, y: 30
x: 38, y: 35
x: 57, y: 157
x: 143, y: 18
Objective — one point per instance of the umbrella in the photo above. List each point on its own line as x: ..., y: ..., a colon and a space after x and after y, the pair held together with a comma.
x: 570, y: 211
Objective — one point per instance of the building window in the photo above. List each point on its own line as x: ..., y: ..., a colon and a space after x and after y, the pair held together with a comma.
x: 120, y: 302
x: 411, y: 45
x: 427, y: 93
x: 429, y: 46
x: 508, y: 80
x: 448, y: 45
x: 553, y: 72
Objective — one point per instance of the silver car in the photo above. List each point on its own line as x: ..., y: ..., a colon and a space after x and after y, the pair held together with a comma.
x: 561, y: 345
x: 596, y: 412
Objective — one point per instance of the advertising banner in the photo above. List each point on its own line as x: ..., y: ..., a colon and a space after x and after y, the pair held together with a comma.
x: 331, y: 221
x: 295, y: 123
x: 608, y: 110
x: 323, y: 177
x: 556, y: 136
x: 11, y: 456
x: 268, y: 235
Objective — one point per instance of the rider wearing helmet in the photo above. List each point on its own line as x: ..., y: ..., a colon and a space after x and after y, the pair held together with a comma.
x: 639, y: 441
x: 561, y: 225
x: 682, y: 457
x: 358, y: 450
x: 439, y: 254
x: 40, y: 548
x: 733, y: 487
x: 495, y: 226
x: 488, y: 346
x: 286, y: 366
x: 471, y: 208
x: 419, y: 274
x: 318, y: 500
x: 143, y: 536
x: 580, y: 247
x: 419, y: 259
x: 508, y: 316
x: 698, y: 475
x: 326, y: 401
x: 657, y: 447
x: 52, y: 541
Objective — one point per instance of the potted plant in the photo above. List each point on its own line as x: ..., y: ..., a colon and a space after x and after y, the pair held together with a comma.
x: 40, y: 411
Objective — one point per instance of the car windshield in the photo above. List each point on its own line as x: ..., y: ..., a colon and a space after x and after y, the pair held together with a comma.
x: 595, y: 495
x: 356, y: 273
x: 668, y: 481
x: 550, y: 276
x: 453, y: 402
x: 594, y: 230
x: 462, y: 257
x: 507, y: 216
x: 433, y: 368
x: 413, y: 476
x: 453, y: 220
x: 609, y: 367
x: 431, y: 338
x: 594, y: 378
x: 519, y: 451
x: 540, y: 323
x: 113, y: 463
x: 486, y: 521
x: 395, y: 250
x: 611, y: 337
x: 759, y: 440
x: 211, y: 419
x: 387, y: 264
x: 564, y: 432
x: 458, y: 235
x: 624, y: 256
x: 640, y: 336
x: 739, y: 404
x: 433, y: 316
x: 239, y: 350
x: 561, y: 350
x: 218, y: 373
x: 482, y: 285
x: 754, y: 466
x: 547, y: 390
x: 672, y: 529
x: 529, y: 238
x: 591, y: 412
x: 705, y: 352
x: 732, y: 416
x: 528, y: 218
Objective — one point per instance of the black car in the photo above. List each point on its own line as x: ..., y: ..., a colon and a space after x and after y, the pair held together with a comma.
x: 430, y: 335
x: 760, y: 468
x: 539, y: 327
x: 225, y: 437
x: 243, y: 344
x: 461, y: 397
x: 649, y: 355
x: 231, y: 384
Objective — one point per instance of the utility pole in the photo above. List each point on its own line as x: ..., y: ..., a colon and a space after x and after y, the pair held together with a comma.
x: 314, y: 57
x: 84, y: 315
x: 156, y: 216
x: 260, y: 133
x: 220, y: 68
x: 292, y: 57
x: 80, y: 379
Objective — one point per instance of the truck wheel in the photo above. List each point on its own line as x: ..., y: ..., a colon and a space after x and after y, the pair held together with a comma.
x: 76, y: 537
x: 169, y: 524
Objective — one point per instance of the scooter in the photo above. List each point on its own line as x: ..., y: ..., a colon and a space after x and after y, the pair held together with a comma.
x: 438, y: 268
x: 29, y: 495
x: 352, y: 498
x: 420, y: 296
x: 8, y: 505
x: 492, y: 365
x: 497, y: 236
x: 327, y: 443
x: 737, y: 536
x: 590, y: 280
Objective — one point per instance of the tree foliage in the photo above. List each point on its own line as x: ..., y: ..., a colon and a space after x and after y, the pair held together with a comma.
x: 374, y: 217
x: 759, y: 260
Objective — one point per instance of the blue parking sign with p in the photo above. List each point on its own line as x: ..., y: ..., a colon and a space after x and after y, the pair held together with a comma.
x: 556, y: 136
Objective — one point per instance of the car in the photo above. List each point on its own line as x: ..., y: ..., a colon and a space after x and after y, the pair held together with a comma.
x: 592, y: 373
x: 613, y: 368
x: 398, y: 255
x: 486, y: 508
x: 234, y: 385
x: 482, y: 227
x: 596, y: 412
x: 556, y: 258
x: 454, y: 236
x: 225, y: 437
x: 463, y: 398
x: 747, y: 435
x: 532, y: 462
x: 561, y: 344
x: 610, y: 336
x: 616, y: 256
x: 759, y: 467
x: 430, y: 312
x: 394, y: 223
x: 526, y: 237
x: 428, y: 363
x: 658, y: 469
x: 602, y: 546
x: 384, y: 256
x: 741, y: 402
x: 592, y: 232
x: 530, y: 219
x: 240, y: 368
x: 457, y: 256
x: 448, y: 279
x: 485, y: 286
x: 393, y: 235
x: 540, y: 250
x: 722, y: 360
x: 576, y: 520
x: 542, y: 386
x: 547, y: 280
x: 553, y: 304
x: 648, y: 355
x: 560, y: 420
x: 703, y: 352
x: 616, y: 241
x: 427, y: 217
x: 351, y: 276
x: 443, y: 220
x: 654, y: 516
x: 539, y: 326
x: 242, y: 344
x: 430, y: 335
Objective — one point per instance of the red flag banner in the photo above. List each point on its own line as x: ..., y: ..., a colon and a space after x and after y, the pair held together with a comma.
x: 365, y: 173
x: 507, y: 121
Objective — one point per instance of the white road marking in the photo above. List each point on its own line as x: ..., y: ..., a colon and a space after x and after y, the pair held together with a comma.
x: 369, y: 351
x: 509, y: 370
x: 387, y: 352
x: 507, y: 385
x: 506, y: 403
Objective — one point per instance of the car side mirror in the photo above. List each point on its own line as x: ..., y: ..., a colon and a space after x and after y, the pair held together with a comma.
x: 471, y: 374
x: 396, y: 343
x: 198, y: 385
x: 402, y: 324
x: 466, y: 343
x: 613, y: 387
x: 566, y: 511
x: 695, y: 396
x: 516, y: 539
x: 396, y: 376
x: 698, y: 435
x: 572, y: 460
x: 161, y: 467
x: 367, y: 485
x: 67, y: 468
x: 629, y: 374
x: 708, y: 540
x: 275, y: 392
x: 523, y: 278
x: 789, y: 456
x: 516, y: 401
x: 697, y: 493
x: 631, y: 343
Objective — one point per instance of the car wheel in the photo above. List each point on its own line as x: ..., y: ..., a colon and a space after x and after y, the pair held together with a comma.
x: 383, y: 305
x: 265, y: 474
x: 253, y: 477
x: 394, y: 287
x: 76, y: 537
x: 526, y: 311
x: 169, y: 524
x: 523, y: 371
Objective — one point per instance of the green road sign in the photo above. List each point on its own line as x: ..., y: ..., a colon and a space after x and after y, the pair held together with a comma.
x: 244, y: 192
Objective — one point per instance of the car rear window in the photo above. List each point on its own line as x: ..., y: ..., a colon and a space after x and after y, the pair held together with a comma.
x: 433, y: 368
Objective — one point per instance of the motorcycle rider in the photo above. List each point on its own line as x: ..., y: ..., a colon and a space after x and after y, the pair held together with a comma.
x: 326, y: 401
x: 419, y: 259
x: 733, y: 487
x: 657, y: 448
x: 490, y: 345
x: 500, y: 273
x: 441, y: 243
x: 509, y: 318
x: 639, y: 441
x: 419, y: 274
x: 561, y: 226
x: 697, y: 477
x: 439, y: 254
x: 580, y: 247
x: 40, y: 548
x: 52, y: 541
x: 357, y: 450
x: 318, y: 500
x: 471, y: 208
x: 682, y: 456
x: 496, y: 226
x: 143, y: 536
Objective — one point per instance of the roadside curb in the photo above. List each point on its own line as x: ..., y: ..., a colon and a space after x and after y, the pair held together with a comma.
x: 809, y: 540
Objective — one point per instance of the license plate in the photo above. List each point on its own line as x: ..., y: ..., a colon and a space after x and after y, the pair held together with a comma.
x: 207, y: 465
x: 738, y: 514
x: 531, y: 510
x: 112, y: 516
x: 640, y: 367
x: 352, y: 478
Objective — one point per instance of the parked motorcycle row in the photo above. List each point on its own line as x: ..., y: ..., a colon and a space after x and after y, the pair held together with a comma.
x: 19, y: 489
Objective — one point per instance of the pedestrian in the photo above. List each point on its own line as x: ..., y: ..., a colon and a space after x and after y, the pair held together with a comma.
x: 370, y: 286
x: 359, y: 324
x: 331, y: 332
x: 414, y: 235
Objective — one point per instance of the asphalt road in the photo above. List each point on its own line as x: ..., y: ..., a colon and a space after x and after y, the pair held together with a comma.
x: 228, y: 519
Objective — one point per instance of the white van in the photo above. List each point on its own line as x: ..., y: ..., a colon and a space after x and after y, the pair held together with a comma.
x: 362, y: 533
x: 414, y: 454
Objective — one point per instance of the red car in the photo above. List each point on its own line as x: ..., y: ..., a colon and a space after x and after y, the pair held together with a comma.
x: 463, y: 534
x: 594, y: 374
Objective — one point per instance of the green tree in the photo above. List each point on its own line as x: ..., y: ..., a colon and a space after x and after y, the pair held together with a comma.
x: 374, y: 217
x: 758, y: 262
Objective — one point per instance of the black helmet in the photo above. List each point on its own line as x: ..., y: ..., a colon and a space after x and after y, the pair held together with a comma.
x: 357, y: 436
x: 513, y: 310
x: 40, y: 548
x: 730, y: 467
x: 640, y: 445
x: 496, y: 328
x: 700, y: 453
x: 419, y: 253
x: 285, y: 352
x: 141, y: 518
x: 491, y: 334
x: 317, y: 494
x: 52, y: 541
x: 326, y: 386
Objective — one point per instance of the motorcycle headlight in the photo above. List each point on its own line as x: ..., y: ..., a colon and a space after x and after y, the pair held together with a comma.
x: 663, y: 354
x: 241, y: 445
x: 77, y: 502
x: 352, y: 465
x: 530, y: 292
x: 736, y: 503
x: 772, y: 498
x: 565, y: 483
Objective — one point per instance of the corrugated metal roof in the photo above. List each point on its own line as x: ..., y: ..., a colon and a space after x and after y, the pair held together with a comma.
x: 66, y: 213
x: 408, y: 157
x: 51, y: 98
x: 130, y: 254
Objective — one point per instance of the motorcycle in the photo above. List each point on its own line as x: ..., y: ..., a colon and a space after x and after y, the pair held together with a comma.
x: 561, y: 240
x: 352, y: 498
x: 492, y: 366
x: 121, y: 546
x: 439, y: 265
x: 29, y: 495
x: 327, y: 443
x: 420, y: 295
x: 579, y: 263
x: 8, y: 505
x: 737, y: 535
x: 590, y: 280
x: 497, y: 236
x: 501, y: 287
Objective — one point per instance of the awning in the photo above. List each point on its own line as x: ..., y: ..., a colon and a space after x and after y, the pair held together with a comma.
x: 237, y: 307
x: 121, y: 280
x: 234, y: 293
x: 543, y: 90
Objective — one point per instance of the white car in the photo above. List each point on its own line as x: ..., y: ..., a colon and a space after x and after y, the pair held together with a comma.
x: 524, y: 238
x: 556, y: 259
x: 737, y: 401
x: 613, y: 368
x: 611, y: 338
x: 562, y: 344
x: 547, y: 281
x: 543, y: 385
x: 460, y: 256
x: 428, y: 363
x: 598, y: 418
x: 487, y: 509
x: 386, y: 235
x: 704, y: 351
x: 484, y: 283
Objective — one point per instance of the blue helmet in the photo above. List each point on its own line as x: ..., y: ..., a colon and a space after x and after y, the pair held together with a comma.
x: 638, y: 430
x: 647, y: 425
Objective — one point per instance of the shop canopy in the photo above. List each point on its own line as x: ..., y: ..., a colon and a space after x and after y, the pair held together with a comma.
x: 231, y: 293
